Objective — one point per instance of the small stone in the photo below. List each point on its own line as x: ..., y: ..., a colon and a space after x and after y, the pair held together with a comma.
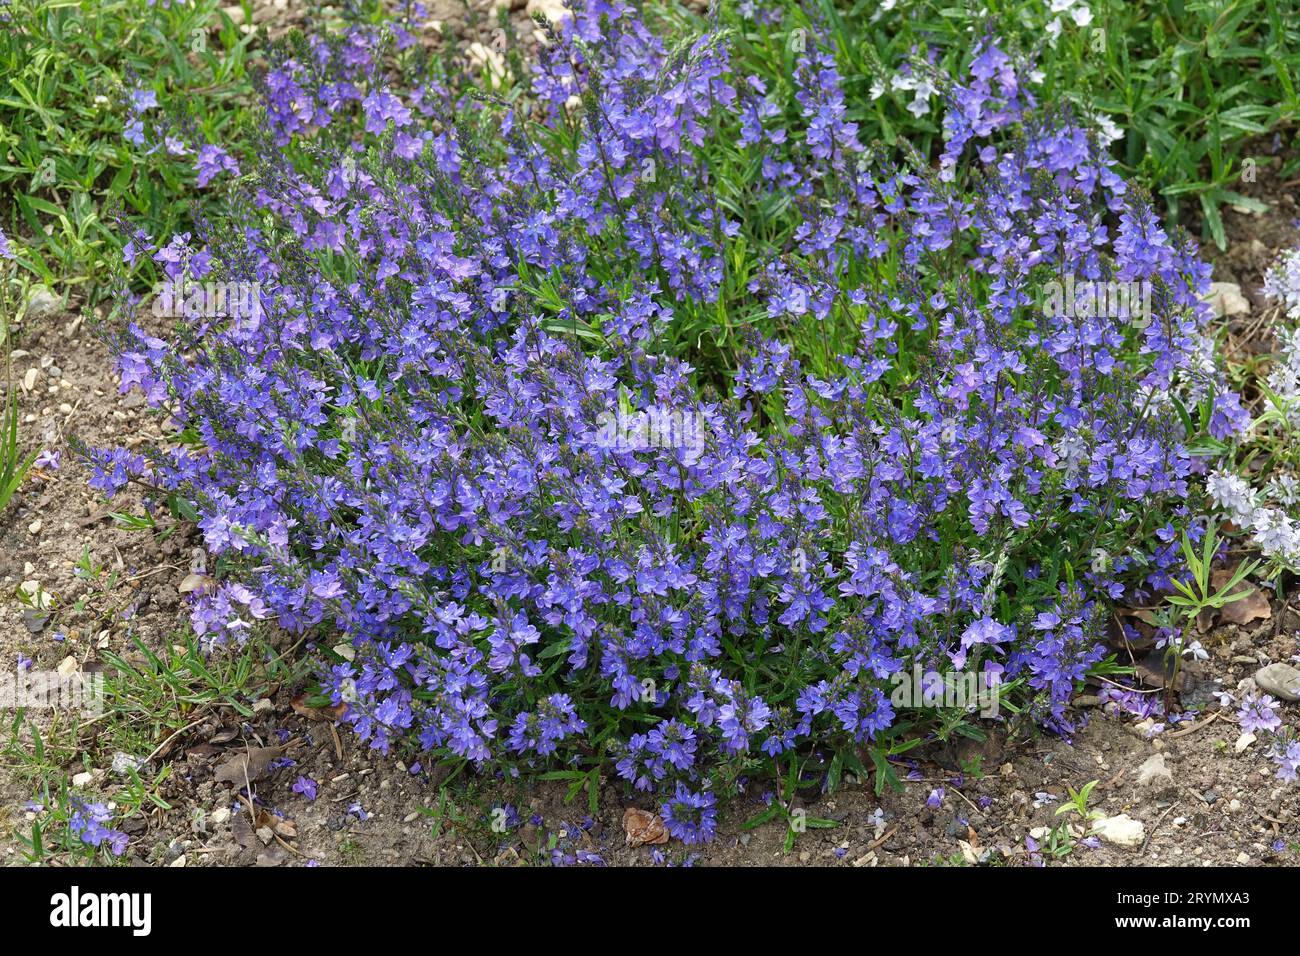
x: 178, y: 862
x: 1243, y: 857
x: 68, y: 666
x: 35, y: 595
x: 1120, y: 830
x: 220, y: 815
x: 1244, y: 741
x: 265, y: 834
x: 36, y: 526
x: 83, y: 779
x: 553, y: 10
x: 41, y: 302
x: 124, y: 763
x: 263, y: 706
x: 1226, y: 299
x: 483, y: 57
x: 1280, y: 680
x: 1154, y: 772
x: 1142, y: 728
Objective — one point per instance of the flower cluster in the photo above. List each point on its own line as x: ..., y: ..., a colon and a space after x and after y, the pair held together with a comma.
x: 89, y: 822
x: 1265, y: 509
x: 900, y: 457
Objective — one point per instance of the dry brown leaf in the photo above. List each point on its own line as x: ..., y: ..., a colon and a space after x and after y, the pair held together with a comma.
x: 303, y: 709
x: 242, y: 831
x: 247, y: 766
x: 643, y: 828
x: 1253, y: 607
x: 197, y: 583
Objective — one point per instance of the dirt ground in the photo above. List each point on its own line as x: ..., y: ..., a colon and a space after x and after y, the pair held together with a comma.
x: 1217, y: 805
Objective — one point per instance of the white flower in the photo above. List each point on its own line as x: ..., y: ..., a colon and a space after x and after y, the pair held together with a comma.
x: 1276, y: 535
x: 1082, y: 16
x: 1232, y: 494
x: 1107, y: 130
x: 1282, y: 282
x: 1284, y: 489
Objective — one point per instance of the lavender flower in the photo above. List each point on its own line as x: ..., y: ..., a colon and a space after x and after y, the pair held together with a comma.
x: 306, y: 786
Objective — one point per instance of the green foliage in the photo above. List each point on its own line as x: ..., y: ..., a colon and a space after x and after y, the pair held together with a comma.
x: 66, y: 70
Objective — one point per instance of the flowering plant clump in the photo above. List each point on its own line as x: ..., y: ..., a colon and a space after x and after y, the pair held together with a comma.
x: 1265, y: 505
x: 642, y: 413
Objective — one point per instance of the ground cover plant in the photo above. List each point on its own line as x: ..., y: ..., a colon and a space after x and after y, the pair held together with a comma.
x: 633, y: 410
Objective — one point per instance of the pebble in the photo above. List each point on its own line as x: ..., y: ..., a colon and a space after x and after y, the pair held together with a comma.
x: 68, y: 666
x: 1154, y: 772
x: 1244, y: 741
x: 178, y: 862
x: 124, y: 763
x: 36, y: 595
x: 1120, y: 830
x: 83, y: 779
x: 36, y: 526
x: 553, y: 10
x: 1226, y: 299
x: 220, y: 815
x: 42, y: 302
x: 1280, y: 680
